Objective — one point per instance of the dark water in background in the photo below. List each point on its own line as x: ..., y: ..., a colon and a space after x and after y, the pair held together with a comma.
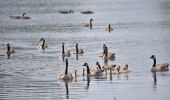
x: 141, y: 28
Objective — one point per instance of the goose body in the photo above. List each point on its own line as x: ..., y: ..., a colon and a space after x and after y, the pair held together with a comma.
x: 88, y: 24
x: 159, y: 67
x: 109, y: 67
x: 66, y: 11
x: 66, y: 76
x: 65, y: 52
x: 87, y: 12
x: 20, y: 17
x: 15, y: 17
x: 9, y: 50
x: 109, y: 28
x: 42, y: 45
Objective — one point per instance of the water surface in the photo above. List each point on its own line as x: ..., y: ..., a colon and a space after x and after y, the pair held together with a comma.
x: 141, y: 28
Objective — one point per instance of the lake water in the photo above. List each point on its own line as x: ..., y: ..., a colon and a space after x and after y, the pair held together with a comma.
x: 141, y: 28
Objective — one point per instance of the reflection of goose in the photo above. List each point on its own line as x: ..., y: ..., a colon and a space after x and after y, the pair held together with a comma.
x: 79, y: 50
x: 88, y: 24
x: 109, y: 28
x: 66, y: 76
x: 158, y: 67
x: 87, y: 12
x: 67, y: 90
x: 66, y: 11
x: 42, y: 44
x: 88, y: 82
x: 93, y: 72
x: 21, y: 17
x: 9, y: 50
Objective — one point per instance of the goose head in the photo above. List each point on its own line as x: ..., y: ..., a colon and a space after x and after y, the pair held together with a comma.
x: 63, y: 48
x: 8, y: 46
x: 85, y: 64
x: 153, y: 57
x: 88, y: 69
x: 23, y: 14
x: 91, y: 20
x: 42, y: 39
x: 97, y: 63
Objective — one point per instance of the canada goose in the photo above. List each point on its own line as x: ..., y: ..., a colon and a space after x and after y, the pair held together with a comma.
x: 66, y: 11
x: 119, y: 70
x: 87, y: 12
x: 102, y: 53
x: 21, y: 17
x: 66, y: 76
x: 9, y: 50
x: 97, y: 72
x: 126, y: 69
x: 99, y: 67
x: 109, y: 28
x: 65, y: 53
x: 25, y: 17
x: 105, y: 54
x: 109, y: 67
x: 158, y: 67
x: 42, y: 45
x: 88, y: 24
x: 79, y: 50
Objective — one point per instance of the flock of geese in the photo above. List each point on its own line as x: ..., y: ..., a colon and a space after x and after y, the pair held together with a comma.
x: 105, y: 54
x: 85, y: 24
x: 100, y: 70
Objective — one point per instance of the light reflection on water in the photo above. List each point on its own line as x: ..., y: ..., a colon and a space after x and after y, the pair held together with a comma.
x: 141, y: 28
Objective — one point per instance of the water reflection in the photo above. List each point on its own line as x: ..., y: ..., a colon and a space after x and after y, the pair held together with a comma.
x: 88, y: 83
x: 67, y: 90
x: 77, y: 57
x: 154, y: 77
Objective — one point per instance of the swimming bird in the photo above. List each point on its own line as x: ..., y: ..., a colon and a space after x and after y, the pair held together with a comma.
x: 25, y: 17
x: 99, y: 67
x: 159, y: 67
x: 65, y: 53
x: 109, y: 28
x: 21, y: 17
x: 66, y: 11
x: 42, y: 45
x: 79, y: 50
x: 9, y: 50
x: 126, y: 69
x: 88, y: 24
x: 93, y: 72
x: 87, y: 12
x: 66, y: 76
x: 106, y: 54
